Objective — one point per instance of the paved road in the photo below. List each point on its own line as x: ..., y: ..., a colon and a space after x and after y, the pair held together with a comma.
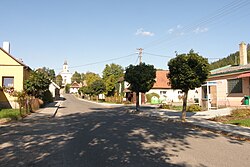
x: 89, y: 135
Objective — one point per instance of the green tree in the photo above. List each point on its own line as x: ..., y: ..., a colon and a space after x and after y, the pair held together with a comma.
x: 90, y: 77
x: 83, y: 77
x: 49, y: 72
x: 37, y: 84
x: 67, y: 88
x: 232, y: 59
x: 141, y: 79
x: 76, y: 77
x: 86, y: 90
x: 97, y: 87
x: 59, y: 80
x: 187, y: 71
x: 111, y: 75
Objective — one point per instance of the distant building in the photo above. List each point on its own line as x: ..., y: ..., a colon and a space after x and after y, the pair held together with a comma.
x: 75, y: 87
x: 66, y: 75
x: 167, y: 94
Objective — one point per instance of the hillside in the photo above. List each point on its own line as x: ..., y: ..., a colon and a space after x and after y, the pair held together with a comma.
x: 232, y: 59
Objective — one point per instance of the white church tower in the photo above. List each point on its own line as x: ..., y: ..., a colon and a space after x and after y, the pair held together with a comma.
x: 66, y: 75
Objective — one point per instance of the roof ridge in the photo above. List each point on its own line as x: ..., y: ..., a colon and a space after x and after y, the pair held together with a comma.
x: 21, y: 63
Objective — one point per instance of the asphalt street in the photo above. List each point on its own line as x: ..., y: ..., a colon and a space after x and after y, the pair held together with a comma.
x: 90, y: 135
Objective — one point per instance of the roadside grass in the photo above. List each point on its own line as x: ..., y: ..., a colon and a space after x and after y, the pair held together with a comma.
x: 190, y: 108
x: 239, y: 117
x: 13, y: 114
x: 241, y: 122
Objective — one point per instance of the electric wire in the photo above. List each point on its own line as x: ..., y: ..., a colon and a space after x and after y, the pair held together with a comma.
x: 211, y: 19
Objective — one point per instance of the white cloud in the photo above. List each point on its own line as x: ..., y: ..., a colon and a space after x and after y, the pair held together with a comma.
x: 171, y: 30
x: 141, y: 32
x: 179, y: 27
x: 177, y: 30
x: 200, y: 30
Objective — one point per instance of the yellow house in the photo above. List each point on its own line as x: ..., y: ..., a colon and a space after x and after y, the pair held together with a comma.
x: 13, y: 73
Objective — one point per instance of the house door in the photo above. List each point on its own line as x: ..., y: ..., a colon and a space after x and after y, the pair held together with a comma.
x: 209, y: 96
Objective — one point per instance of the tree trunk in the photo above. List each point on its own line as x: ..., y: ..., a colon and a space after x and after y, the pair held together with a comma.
x: 97, y: 98
x: 184, y: 107
x: 137, y: 101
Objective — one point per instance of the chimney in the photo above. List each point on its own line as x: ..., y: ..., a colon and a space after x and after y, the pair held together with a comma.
x: 6, y: 46
x: 243, y: 53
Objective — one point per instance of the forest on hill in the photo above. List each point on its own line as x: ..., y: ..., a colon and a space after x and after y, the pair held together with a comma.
x: 232, y: 59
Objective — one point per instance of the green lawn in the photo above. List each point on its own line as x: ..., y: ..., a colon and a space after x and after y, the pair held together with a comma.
x: 240, y: 122
x: 240, y: 117
x: 14, y: 114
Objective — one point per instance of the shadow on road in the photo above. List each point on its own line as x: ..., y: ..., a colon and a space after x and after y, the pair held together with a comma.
x: 104, y: 137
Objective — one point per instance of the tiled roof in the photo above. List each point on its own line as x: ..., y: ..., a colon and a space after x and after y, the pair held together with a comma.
x: 230, y: 70
x: 75, y: 85
x: 161, y: 80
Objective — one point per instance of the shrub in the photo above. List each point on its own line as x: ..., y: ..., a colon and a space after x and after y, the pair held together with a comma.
x: 165, y: 106
x: 240, y: 112
x: 47, y: 97
x: 67, y: 88
x: 114, y: 99
x: 193, y: 108
x: 150, y: 95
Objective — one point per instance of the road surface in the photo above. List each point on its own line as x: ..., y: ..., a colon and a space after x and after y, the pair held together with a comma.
x: 90, y: 135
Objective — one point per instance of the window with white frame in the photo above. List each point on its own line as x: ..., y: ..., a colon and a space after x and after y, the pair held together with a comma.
x: 8, y: 82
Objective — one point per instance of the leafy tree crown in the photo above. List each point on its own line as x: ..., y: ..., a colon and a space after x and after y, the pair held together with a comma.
x: 140, y: 77
x: 188, y: 71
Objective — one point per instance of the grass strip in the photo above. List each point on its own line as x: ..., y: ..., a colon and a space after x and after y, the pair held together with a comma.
x: 13, y: 114
x: 240, y: 122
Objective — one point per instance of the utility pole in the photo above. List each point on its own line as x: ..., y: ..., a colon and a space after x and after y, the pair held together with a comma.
x: 140, y: 61
x: 140, y: 55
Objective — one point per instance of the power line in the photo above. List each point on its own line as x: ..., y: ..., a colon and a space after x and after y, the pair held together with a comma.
x: 104, y: 61
x: 211, y: 19
x: 157, y: 55
x: 152, y: 54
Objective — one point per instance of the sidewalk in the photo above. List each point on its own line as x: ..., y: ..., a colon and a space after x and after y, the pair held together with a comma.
x: 200, y: 119
x: 48, y: 111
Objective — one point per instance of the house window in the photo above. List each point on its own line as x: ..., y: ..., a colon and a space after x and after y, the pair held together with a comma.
x: 180, y: 92
x: 163, y: 92
x: 234, y: 85
x: 8, y: 82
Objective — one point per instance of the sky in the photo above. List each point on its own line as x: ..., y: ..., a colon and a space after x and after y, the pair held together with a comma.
x: 92, y: 33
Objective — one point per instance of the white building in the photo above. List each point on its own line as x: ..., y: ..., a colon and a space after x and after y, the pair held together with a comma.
x: 66, y: 75
x: 163, y: 88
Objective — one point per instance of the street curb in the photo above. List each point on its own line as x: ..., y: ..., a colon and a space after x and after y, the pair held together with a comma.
x: 103, y: 104
x: 191, y: 122
x: 55, y: 112
x: 225, y: 132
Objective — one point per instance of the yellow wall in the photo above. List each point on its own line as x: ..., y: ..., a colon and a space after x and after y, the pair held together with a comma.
x: 13, y: 71
x: 11, y: 68
x: 6, y: 59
